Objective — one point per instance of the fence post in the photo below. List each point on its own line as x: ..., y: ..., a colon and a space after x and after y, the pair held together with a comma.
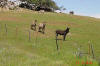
x: 57, y: 44
x: 6, y: 29
x: 89, y: 48
x: 99, y: 62
x: 29, y: 35
x: 16, y: 31
x: 92, y: 51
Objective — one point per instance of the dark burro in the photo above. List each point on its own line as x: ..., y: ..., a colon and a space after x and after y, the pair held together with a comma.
x: 62, y: 32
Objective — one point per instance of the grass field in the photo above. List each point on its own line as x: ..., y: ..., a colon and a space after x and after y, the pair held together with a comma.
x: 41, y: 50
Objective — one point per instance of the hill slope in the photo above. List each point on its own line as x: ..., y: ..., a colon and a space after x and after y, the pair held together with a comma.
x: 17, y: 50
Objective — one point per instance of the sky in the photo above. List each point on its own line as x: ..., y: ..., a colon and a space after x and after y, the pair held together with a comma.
x: 81, y: 7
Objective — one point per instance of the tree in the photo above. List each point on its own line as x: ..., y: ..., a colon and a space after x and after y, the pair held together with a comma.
x: 62, y: 9
x: 3, y: 3
x: 43, y: 3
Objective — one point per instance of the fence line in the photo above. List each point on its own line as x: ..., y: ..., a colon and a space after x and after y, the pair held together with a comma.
x: 90, y: 46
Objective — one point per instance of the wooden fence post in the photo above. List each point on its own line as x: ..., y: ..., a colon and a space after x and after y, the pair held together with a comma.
x: 6, y: 29
x: 29, y: 35
x: 89, y: 49
x: 92, y: 51
x: 57, y: 44
x: 99, y: 62
x: 16, y: 31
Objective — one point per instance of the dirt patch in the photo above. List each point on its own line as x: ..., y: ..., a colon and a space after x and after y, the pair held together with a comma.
x: 10, y: 19
x: 70, y: 24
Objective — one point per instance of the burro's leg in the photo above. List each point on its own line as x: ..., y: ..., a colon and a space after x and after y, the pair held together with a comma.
x: 43, y: 30
x: 56, y: 36
x: 64, y: 37
x: 35, y: 28
x: 39, y: 29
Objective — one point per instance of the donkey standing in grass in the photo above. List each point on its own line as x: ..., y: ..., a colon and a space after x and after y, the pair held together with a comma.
x: 62, y: 32
x: 42, y: 27
x: 33, y: 25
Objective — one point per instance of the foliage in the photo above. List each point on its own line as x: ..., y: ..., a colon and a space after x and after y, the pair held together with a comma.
x: 43, y: 3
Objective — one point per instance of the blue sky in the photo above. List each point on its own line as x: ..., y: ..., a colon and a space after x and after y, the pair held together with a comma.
x: 81, y: 7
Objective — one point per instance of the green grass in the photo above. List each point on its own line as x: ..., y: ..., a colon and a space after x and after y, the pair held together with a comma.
x: 41, y: 50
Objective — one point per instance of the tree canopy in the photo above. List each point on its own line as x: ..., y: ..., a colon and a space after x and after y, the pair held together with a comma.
x: 43, y: 3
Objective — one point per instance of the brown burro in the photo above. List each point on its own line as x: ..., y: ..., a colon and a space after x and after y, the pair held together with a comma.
x: 33, y: 25
x: 62, y: 32
x: 41, y: 27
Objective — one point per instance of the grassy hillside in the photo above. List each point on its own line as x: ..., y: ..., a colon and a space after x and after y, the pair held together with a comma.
x: 41, y: 50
